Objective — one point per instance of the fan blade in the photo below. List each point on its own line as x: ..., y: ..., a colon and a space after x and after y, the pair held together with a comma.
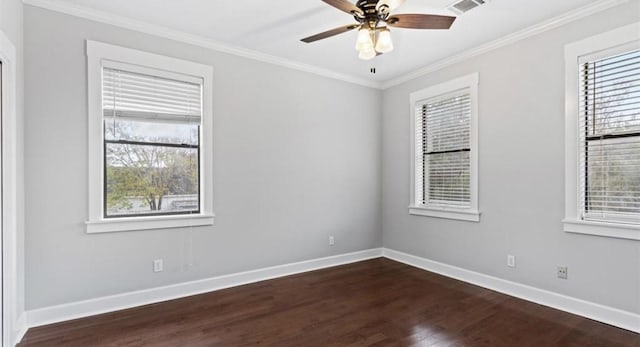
x: 329, y: 33
x: 344, y: 5
x: 420, y: 21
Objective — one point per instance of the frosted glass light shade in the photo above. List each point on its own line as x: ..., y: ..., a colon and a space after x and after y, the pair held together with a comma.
x: 384, y: 43
x: 367, y: 54
x: 364, y: 41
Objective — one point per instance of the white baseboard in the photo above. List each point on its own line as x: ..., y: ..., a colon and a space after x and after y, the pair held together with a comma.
x: 623, y: 319
x: 59, y: 313
x: 19, y: 329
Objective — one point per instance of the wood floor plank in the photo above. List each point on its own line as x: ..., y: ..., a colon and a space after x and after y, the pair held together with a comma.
x: 378, y: 302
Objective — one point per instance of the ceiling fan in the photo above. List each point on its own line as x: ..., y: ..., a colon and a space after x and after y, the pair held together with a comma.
x: 373, y: 18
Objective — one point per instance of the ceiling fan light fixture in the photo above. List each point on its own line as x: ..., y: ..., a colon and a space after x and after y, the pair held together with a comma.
x: 390, y: 4
x: 373, y: 17
x: 364, y: 41
x: 384, y: 43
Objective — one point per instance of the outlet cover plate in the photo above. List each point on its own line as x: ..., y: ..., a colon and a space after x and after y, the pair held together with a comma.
x: 511, y: 260
x: 563, y: 272
x: 158, y: 266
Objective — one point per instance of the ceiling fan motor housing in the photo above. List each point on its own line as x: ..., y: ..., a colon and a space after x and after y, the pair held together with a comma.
x: 371, y: 15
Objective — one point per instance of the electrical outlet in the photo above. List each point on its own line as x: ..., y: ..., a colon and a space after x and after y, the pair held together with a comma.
x: 511, y: 260
x: 332, y: 241
x: 563, y: 272
x: 158, y: 266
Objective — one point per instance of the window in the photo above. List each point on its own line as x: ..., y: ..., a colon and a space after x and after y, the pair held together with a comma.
x: 444, y: 143
x: 603, y: 110
x: 150, y: 140
x: 610, y: 138
x: 151, y: 144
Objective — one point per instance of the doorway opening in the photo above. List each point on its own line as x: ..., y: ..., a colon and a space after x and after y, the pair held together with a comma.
x: 10, y: 301
x: 2, y: 295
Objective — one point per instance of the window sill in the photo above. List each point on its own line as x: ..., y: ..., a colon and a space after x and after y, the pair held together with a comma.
x: 464, y: 215
x: 616, y: 230
x: 146, y: 223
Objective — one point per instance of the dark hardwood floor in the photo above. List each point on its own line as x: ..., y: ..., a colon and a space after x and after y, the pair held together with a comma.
x: 371, y: 303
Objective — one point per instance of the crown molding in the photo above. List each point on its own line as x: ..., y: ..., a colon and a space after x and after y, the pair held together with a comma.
x: 536, y: 29
x: 196, y: 40
x: 176, y: 35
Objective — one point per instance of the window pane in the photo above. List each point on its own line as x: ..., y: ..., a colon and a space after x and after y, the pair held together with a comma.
x: 447, y: 124
x: 143, y: 179
x: 449, y: 180
x: 612, y: 95
x: 161, y: 132
x: 613, y: 171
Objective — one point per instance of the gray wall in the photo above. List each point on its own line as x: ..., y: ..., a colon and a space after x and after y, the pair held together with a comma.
x: 296, y: 159
x: 11, y: 23
x: 11, y: 20
x: 521, y: 176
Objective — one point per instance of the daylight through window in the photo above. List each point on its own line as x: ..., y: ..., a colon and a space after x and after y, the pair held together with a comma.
x: 445, y: 150
x: 444, y: 146
x: 151, y: 143
x: 610, y: 138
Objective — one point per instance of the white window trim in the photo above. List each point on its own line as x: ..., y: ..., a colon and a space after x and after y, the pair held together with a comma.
x: 573, y: 221
x: 471, y: 214
x: 97, y: 54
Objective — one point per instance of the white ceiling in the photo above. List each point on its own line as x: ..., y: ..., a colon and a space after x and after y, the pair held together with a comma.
x: 275, y: 28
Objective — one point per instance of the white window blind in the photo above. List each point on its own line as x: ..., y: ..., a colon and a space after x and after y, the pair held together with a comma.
x: 609, y: 126
x: 134, y: 95
x: 442, y: 150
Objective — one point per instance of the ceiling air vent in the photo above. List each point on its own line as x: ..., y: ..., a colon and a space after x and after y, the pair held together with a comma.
x: 462, y: 6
